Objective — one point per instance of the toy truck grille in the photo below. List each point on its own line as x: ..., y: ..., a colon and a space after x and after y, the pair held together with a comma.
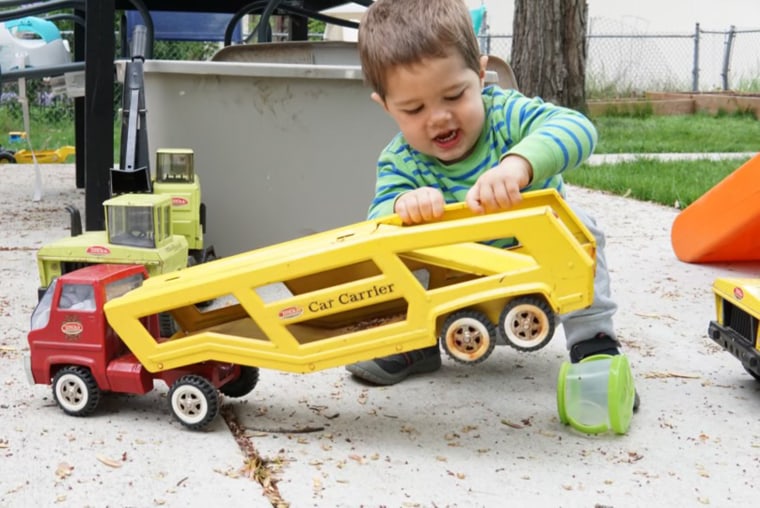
x: 737, y: 321
x: 744, y: 324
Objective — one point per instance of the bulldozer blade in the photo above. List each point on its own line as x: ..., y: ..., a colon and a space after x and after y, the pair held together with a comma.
x: 124, y: 182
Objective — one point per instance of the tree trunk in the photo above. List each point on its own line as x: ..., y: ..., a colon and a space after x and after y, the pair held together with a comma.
x: 549, y: 50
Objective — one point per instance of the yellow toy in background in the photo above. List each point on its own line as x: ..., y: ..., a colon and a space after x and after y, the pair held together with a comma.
x: 57, y: 156
x: 17, y: 136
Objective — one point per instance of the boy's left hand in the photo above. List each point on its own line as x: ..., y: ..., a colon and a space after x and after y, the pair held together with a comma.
x: 499, y: 187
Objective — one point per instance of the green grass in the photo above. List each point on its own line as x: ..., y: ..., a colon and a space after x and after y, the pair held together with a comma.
x: 44, y: 134
x: 679, y: 134
x: 671, y: 183
x: 47, y: 132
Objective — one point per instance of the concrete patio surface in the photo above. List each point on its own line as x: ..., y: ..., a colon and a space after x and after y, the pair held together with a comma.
x: 482, y: 436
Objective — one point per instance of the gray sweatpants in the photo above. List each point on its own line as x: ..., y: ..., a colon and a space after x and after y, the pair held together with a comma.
x: 586, y: 323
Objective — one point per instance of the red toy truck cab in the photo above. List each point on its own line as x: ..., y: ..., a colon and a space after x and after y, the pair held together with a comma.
x: 73, y: 348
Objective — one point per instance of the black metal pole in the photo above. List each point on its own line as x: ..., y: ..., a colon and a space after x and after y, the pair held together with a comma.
x: 728, y: 46
x: 695, y: 68
x: 99, y: 119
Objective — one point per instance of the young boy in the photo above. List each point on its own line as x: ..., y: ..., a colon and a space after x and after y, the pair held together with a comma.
x: 461, y: 142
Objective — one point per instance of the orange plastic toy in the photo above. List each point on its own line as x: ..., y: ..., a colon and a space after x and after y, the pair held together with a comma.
x: 723, y: 224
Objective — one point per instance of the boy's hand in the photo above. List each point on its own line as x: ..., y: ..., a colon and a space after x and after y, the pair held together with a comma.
x: 499, y: 187
x: 425, y: 204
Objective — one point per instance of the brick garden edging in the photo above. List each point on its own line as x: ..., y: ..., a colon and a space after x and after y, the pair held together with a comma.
x: 676, y: 103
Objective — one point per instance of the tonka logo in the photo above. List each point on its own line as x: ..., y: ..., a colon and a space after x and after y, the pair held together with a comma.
x: 290, y: 312
x: 738, y: 293
x: 98, y: 250
x: 72, y: 329
x: 179, y: 201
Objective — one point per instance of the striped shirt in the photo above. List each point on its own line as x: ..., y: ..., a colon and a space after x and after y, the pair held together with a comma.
x: 552, y: 138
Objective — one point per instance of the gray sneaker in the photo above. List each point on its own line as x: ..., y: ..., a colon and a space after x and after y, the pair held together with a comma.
x: 393, y: 369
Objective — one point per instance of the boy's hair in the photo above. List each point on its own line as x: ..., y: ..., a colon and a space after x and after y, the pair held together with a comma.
x: 404, y: 32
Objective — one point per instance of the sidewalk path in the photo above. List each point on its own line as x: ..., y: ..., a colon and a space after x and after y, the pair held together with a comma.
x: 612, y: 158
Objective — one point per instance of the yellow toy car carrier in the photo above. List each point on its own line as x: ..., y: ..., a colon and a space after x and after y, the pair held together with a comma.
x: 354, y: 293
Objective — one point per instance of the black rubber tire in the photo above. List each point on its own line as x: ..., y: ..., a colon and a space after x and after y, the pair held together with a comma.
x: 753, y: 374
x: 468, y: 336
x: 244, y: 384
x: 527, y: 323
x: 194, y: 401
x: 75, y: 391
x: 7, y: 158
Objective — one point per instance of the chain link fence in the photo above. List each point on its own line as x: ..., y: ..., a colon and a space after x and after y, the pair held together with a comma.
x: 622, y: 62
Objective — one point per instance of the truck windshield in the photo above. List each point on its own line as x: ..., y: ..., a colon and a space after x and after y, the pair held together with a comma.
x: 123, y: 286
x: 41, y: 314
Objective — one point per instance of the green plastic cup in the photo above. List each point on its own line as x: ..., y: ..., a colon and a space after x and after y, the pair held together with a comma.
x: 596, y: 394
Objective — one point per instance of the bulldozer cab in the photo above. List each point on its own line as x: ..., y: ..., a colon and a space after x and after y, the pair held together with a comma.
x: 175, y: 165
x: 175, y: 177
x: 139, y: 220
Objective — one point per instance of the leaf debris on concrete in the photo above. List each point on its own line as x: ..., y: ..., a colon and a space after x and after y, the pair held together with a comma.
x: 255, y: 467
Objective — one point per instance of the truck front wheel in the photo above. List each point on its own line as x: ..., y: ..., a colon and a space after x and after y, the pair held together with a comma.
x: 468, y: 336
x: 75, y: 391
x: 194, y: 401
x: 527, y: 323
x: 244, y: 384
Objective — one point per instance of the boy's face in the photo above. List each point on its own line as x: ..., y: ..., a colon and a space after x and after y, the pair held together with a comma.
x: 437, y: 105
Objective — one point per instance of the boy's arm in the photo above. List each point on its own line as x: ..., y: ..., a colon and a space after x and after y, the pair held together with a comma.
x: 391, y: 183
x: 551, y: 138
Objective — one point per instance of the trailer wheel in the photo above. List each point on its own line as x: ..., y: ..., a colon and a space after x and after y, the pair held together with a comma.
x: 468, y: 336
x: 194, y: 401
x: 75, y: 391
x: 752, y: 373
x: 527, y: 323
x: 244, y: 384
